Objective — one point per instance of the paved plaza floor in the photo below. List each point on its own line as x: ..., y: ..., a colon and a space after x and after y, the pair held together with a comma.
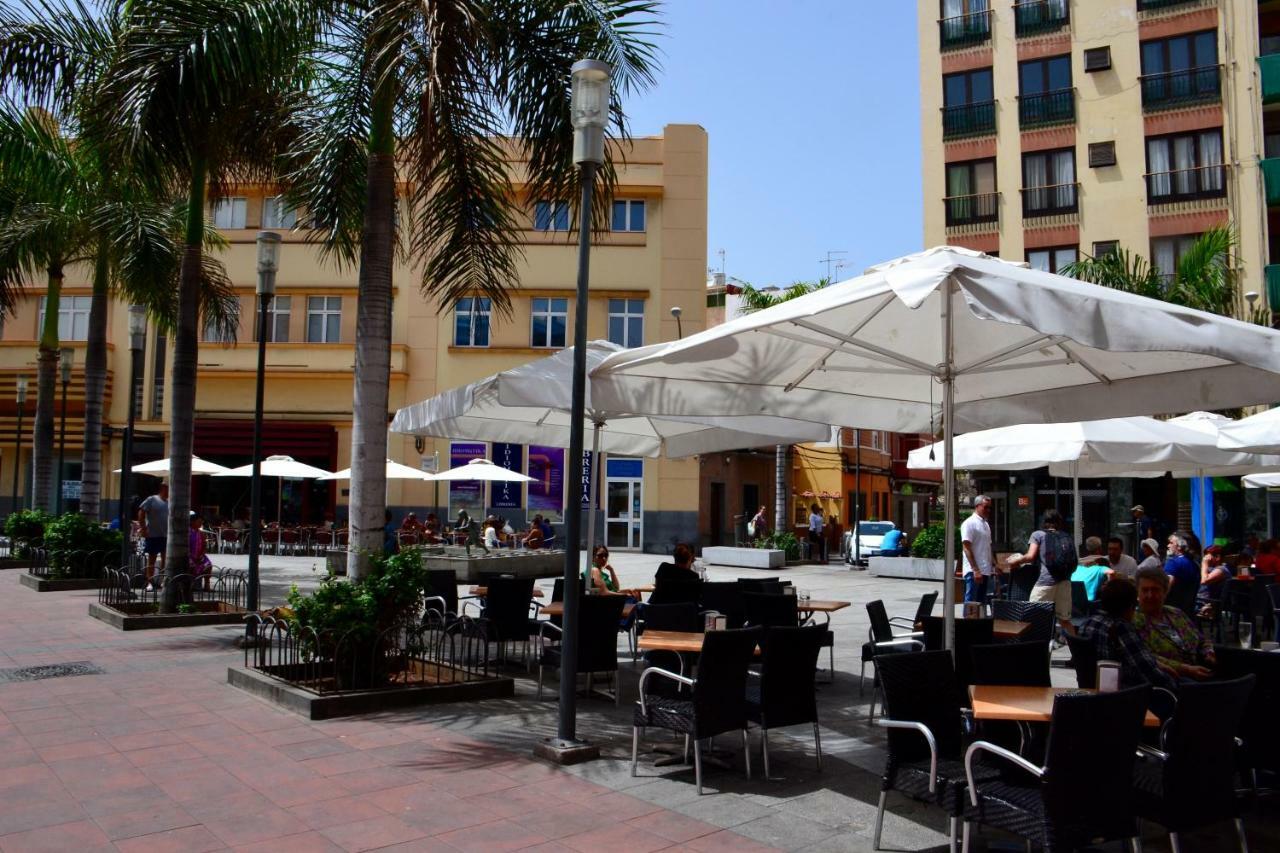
x: 154, y: 751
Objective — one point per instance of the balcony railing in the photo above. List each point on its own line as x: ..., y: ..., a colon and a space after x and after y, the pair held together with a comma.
x: 1033, y: 17
x: 1271, y: 179
x: 1171, y: 89
x: 970, y: 209
x: 1047, y: 108
x: 1187, y: 184
x: 1050, y: 200
x: 1148, y: 5
x: 964, y: 30
x: 1269, y: 66
x: 969, y: 120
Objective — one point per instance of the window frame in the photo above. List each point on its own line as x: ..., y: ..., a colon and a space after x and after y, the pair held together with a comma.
x: 626, y: 315
x: 630, y: 205
x: 70, y: 307
x: 1181, y: 242
x: 276, y: 204
x: 1056, y: 208
x: 230, y: 203
x: 552, y: 307
x: 326, y: 312
x: 1199, y: 170
x: 556, y: 213
x: 210, y: 335
x: 475, y: 311
x: 970, y: 165
x: 274, y: 316
x: 1055, y: 264
x: 1029, y: 115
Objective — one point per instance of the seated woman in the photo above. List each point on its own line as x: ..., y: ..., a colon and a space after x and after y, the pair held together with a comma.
x: 603, y: 579
x: 1113, y: 637
x: 1213, y: 578
x: 201, y: 567
x: 491, y: 533
x: 534, y: 538
x: 1267, y: 560
x: 1168, y: 632
x: 431, y: 530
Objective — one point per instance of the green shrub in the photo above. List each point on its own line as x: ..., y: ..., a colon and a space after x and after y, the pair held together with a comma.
x: 929, y: 543
x: 71, y: 538
x: 25, y: 529
x: 786, y: 542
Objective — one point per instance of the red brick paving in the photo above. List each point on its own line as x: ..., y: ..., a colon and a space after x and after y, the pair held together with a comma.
x: 159, y: 754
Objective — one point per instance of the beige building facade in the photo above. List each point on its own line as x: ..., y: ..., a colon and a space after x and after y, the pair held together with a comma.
x: 652, y: 257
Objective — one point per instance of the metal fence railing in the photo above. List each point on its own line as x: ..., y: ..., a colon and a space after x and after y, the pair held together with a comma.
x: 218, y: 591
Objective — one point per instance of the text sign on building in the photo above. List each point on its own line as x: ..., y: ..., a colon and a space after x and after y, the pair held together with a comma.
x: 509, y: 456
x: 588, y: 462
x: 546, y: 492
x: 466, y: 494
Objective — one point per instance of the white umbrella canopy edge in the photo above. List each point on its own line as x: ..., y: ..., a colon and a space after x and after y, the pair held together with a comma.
x: 160, y: 467
x: 280, y: 467
x: 1258, y: 433
x: 1269, y: 480
x: 395, y: 471
x: 483, y: 469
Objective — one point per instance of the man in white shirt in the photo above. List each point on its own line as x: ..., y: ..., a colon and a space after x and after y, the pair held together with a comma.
x: 1121, y: 562
x: 979, y: 562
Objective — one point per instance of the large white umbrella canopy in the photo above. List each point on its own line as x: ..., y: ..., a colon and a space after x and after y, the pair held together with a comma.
x: 1258, y: 433
x: 483, y: 469
x: 529, y: 404
x: 160, y: 467
x: 282, y: 467
x: 1261, y: 481
x: 395, y: 471
x: 995, y: 342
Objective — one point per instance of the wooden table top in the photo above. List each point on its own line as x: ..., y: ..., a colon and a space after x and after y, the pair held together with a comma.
x: 556, y: 608
x: 1028, y: 704
x: 671, y: 641
x: 482, y: 591
x: 1007, y: 629
x: 822, y: 605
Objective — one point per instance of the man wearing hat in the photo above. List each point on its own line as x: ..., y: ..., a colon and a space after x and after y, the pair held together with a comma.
x: 1144, y: 525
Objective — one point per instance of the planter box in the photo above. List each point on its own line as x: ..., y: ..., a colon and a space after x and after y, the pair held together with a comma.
x: 906, y: 567
x: 750, y: 558
x: 314, y: 706
x: 143, y: 619
x: 522, y: 564
x: 40, y: 584
x: 16, y: 563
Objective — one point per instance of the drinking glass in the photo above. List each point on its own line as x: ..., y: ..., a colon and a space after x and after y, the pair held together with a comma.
x: 1246, y: 635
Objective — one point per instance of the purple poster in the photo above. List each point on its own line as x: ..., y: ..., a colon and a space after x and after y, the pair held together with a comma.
x: 546, y: 492
x: 509, y: 456
x: 466, y: 494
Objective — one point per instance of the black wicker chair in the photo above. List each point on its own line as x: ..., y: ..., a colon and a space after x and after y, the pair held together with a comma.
x: 442, y: 594
x: 1011, y: 663
x: 771, y: 585
x: 769, y: 610
x: 1092, y: 742
x: 785, y: 693
x: 1190, y: 781
x: 926, y: 734
x: 1261, y: 750
x: 598, y: 617
x: 725, y: 597
x: 1084, y: 660
x: 1039, y: 614
x: 882, y: 640
x: 676, y: 591
x: 923, y: 609
x: 671, y: 617
x: 717, y: 703
x: 969, y: 633
x: 506, y: 611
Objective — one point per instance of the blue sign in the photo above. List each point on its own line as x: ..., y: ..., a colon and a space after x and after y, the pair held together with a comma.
x: 625, y: 469
x: 510, y: 456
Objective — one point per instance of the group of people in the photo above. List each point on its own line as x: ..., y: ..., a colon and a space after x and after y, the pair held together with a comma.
x: 153, y: 529
x: 494, y: 533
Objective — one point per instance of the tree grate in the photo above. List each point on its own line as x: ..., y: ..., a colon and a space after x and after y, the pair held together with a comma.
x: 49, y: 670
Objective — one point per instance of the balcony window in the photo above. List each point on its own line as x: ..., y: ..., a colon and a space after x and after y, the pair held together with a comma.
x: 550, y: 319
x: 1045, y: 95
x: 551, y: 216
x: 968, y: 104
x: 277, y: 214
x: 1033, y: 17
x: 626, y: 322
x: 278, y: 312
x: 1049, y: 182
x: 471, y: 322
x: 628, y: 215
x: 1149, y: 5
x: 219, y: 333
x: 1180, y: 71
x: 324, y: 319
x: 1185, y: 166
x: 1167, y: 252
x: 229, y: 213
x: 1051, y: 260
x: 971, y: 192
x: 73, y: 317
x: 964, y: 22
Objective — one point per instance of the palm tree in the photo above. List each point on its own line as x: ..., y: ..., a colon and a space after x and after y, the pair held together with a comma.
x: 440, y: 82
x: 757, y: 300
x: 1206, y: 278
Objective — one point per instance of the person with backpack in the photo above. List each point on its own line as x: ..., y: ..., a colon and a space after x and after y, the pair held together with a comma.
x: 1053, y: 550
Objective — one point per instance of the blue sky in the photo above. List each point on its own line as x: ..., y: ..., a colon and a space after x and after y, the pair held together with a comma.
x: 812, y: 111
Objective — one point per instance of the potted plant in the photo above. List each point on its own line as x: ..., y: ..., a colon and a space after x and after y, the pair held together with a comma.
x: 79, y: 547
x: 25, y: 529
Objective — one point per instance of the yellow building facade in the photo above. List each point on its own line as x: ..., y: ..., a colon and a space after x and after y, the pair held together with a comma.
x: 652, y: 258
x: 1054, y: 129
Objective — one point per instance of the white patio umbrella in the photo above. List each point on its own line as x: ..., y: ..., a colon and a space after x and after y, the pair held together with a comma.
x: 395, y: 471
x: 996, y: 343
x: 282, y: 468
x: 1258, y: 433
x: 1261, y: 481
x: 160, y: 467
x: 483, y: 469
x: 1091, y: 448
x: 529, y: 404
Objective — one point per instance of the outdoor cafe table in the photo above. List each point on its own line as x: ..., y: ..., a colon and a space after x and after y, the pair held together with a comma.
x: 482, y: 591
x: 1023, y: 704
x: 556, y: 608
x: 821, y: 605
x: 1008, y: 629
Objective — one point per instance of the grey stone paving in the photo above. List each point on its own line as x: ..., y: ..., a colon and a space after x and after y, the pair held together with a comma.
x: 799, y: 809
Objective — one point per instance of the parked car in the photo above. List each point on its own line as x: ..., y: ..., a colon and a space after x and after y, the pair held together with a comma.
x: 870, y: 536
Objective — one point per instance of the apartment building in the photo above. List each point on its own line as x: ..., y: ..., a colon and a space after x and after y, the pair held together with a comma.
x: 1054, y: 129
x: 651, y: 257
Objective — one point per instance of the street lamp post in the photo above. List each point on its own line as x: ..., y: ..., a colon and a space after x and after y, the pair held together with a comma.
x: 676, y: 312
x: 268, y: 263
x: 137, y: 342
x: 17, y: 441
x: 590, y: 111
x: 66, y: 360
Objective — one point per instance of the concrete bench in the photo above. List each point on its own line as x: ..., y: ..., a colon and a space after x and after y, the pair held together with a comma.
x: 751, y: 558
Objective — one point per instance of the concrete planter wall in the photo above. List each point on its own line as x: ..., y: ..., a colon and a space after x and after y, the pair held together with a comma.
x: 750, y: 558
x: 906, y: 567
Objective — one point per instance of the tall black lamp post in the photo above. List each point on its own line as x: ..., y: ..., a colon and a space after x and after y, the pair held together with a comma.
x: 590, y: 111
x: 137, y: 342
x: 268, y: 263
x: 66, y: 361
x: 21, y: 398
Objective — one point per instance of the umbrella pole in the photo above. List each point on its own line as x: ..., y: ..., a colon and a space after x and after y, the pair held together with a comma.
x: 1075, y: 503
x: 593, y: 495
x: 948, y: 472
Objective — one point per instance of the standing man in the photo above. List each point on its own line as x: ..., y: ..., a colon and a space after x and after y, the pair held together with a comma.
x: 815, y: 534
x: 1143, y: 524
x: 979, y: 562
x: 153, y: 517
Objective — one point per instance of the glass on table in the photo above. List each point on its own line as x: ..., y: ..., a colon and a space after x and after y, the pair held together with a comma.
x: 1246, y: 635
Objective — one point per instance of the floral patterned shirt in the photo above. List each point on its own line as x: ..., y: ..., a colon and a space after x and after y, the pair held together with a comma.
x: 1174, y: 639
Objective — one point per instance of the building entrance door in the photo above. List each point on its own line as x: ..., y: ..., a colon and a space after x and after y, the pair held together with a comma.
x: 624, y: 504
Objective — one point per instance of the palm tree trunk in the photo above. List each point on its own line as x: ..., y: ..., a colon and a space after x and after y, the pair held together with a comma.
x: 95, y: 388
x: 368, y: 499
x: 46, y: 391
x: 182, y: 390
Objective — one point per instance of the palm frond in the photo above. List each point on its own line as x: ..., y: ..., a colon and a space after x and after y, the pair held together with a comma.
x: 51, y: 50
x: 1206, y: 278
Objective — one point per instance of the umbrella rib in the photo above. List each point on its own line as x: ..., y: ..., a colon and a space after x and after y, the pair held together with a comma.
x: 820, y: 361
x: 1009, y: 352
x: 1002, y: 368
x: 879, y: 371
x: 800, y: 339
x: 1075, y: 357
x: 886, y: 355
